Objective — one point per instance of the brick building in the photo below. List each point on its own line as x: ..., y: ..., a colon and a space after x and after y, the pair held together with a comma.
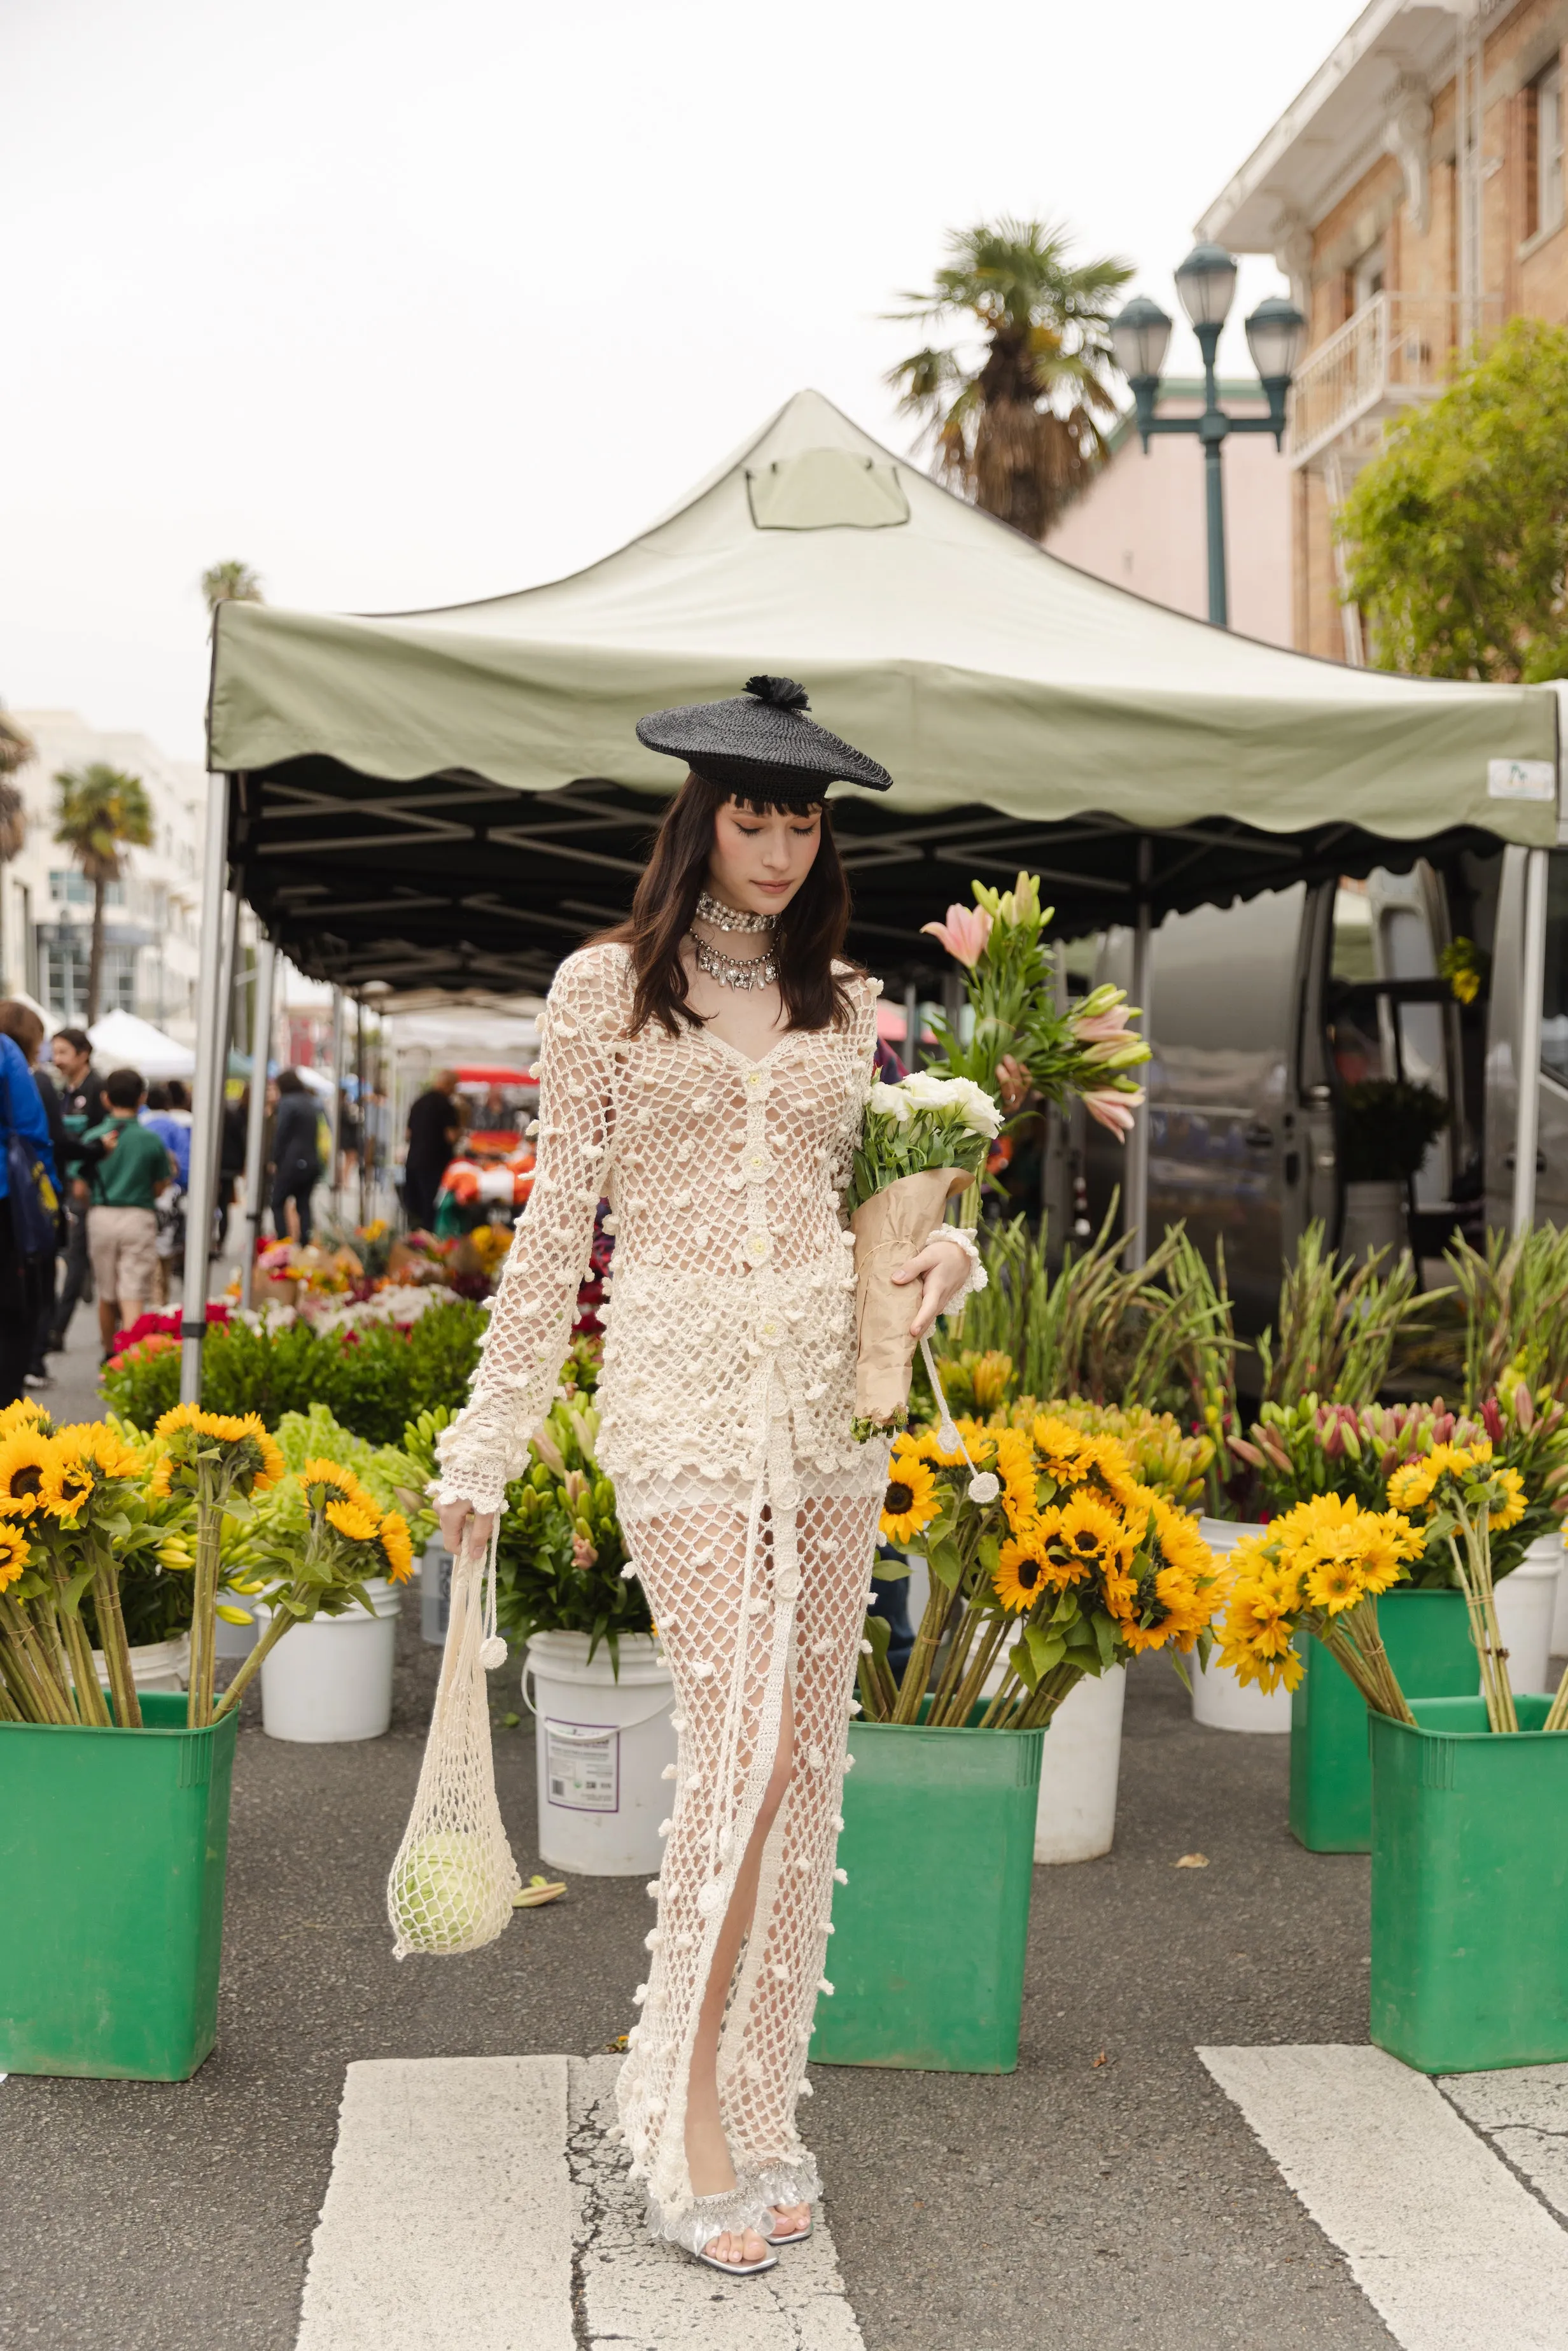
x: 1414, y: 195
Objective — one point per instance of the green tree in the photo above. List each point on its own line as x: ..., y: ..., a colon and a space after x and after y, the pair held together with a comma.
x: 99, y: 813
x: 1456, y: 536
x: 1014, y: 420
x: 16, y: 750
x: 231, y: 583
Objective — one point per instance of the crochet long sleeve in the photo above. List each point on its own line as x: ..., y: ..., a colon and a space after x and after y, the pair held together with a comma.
x: 530, y: 1323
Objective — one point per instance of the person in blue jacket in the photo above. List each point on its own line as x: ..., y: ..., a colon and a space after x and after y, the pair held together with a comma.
x: 21, y: 1120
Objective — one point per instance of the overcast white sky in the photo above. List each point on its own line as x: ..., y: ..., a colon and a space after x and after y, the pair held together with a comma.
x: 406, y: 301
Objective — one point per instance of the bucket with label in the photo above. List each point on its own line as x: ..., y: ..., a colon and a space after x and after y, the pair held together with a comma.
x: 602, y: 1740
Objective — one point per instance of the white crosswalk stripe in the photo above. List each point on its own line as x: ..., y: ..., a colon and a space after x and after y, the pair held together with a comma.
x: 474, y: 2205
x: 1452, y: 2251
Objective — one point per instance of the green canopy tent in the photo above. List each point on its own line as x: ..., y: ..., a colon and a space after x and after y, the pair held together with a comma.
x: 458, y: 795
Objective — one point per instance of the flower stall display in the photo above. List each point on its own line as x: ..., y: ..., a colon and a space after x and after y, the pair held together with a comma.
x: 922, y: 1139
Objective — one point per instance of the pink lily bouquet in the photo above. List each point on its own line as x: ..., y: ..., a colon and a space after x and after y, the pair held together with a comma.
x: 1090, y: 1051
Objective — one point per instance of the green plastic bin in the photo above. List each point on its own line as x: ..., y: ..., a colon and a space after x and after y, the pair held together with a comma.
x: 1427, y: 1637
x: 927, y: 1954
x: 112, y: 1851
x: 1469, y: 1888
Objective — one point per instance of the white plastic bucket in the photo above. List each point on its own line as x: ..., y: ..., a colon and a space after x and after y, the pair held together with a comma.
x: 331, y: 1680
x: 154, y: 1665
x: 1219, y: 1702
x: 1525, y: 1604
x: 1080, y: 1764
x: 1545, y: 1544
x: 602, y: 1743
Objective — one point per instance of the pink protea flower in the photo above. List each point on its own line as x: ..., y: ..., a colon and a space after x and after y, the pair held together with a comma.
x: 963, y: 933
x: 1112, y: 1109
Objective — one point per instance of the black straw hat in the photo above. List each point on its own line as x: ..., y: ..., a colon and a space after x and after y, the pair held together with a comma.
x: 761, y: 742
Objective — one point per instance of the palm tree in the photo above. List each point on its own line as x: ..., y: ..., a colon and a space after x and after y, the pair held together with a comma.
x: 99, y: 813
x: 1014, y: 425
x: 16, y: 750
x: 231, y: 583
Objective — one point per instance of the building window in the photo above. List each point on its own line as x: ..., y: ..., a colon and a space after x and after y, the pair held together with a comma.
x: 1544, y: 156
x: 64, y: 979
x: 71, y: 887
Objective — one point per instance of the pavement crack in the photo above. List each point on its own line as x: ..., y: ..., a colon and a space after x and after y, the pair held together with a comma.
x: 582, y: 2148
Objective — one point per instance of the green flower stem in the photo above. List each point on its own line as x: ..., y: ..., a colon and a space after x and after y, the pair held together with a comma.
x: 279, y: 1624
x: 1052, y: 1688
x: 48, y: 1697
x: 54, y: 1646
x: 116, y: 1648
x: 1557, y: 1712
x: 203, y: 1600
x: 89, y: 1698
x: 912, y: 1690
x: 954, y: 1663
x: 1004, y: 1703
x: 958, y: 1710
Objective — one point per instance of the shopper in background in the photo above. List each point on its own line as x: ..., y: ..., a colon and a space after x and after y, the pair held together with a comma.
x: 25, y: 1146
x: 82, y: 1106
x: 26, y: 1030
x: 231, y: 1160
x: 174, y: 1132
x: 132, y: 1168
x: 433, y: 1126
x: 295, y: 1156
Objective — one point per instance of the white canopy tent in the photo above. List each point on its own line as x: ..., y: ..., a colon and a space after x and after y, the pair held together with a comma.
x: 120, y: 1040
x: 447, y: 797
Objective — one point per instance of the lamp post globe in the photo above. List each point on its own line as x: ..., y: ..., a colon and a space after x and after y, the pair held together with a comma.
x: 1207, y: 285
x: 1140, y: 337
x: 1275, y: 333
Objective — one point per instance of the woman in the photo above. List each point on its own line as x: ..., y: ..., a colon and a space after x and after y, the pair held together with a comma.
x: 709, y: 1062
x: 24, y: 1263
x: 295, y: 1157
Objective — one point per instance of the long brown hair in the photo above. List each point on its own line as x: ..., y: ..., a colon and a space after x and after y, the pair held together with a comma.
x: 806, y: 939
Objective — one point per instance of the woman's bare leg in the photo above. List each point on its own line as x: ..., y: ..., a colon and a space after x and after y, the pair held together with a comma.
x: 707, y: 2150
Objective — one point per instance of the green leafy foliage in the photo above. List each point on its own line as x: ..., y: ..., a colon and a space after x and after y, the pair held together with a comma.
x: 371, y: 1381
x: 1456, y: 536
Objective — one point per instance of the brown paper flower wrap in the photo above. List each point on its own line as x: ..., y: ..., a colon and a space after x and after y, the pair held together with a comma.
x: 891, y: 1228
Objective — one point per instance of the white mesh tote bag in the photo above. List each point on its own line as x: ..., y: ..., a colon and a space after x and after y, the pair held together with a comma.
x: 454, y: 1881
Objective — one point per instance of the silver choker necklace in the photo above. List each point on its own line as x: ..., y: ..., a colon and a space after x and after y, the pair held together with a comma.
x: 726, y: 918
x: 734, y: 971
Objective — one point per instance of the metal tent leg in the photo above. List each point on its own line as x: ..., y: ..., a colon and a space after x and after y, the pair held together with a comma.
x: 1135, y: 1208
x: 206, y: 1121
x: 255, y: 1123
x: 335, y: 1114
x: 1527, y: 1075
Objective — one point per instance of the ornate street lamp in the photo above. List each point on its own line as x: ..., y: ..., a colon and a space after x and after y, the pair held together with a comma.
x: 1140, y: 337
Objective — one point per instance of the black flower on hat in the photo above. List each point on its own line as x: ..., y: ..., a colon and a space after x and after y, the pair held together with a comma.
x: 761, y: 742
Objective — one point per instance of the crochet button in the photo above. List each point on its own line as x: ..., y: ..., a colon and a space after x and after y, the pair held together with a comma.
x: 757, y: 1164
x: 759, y: 1247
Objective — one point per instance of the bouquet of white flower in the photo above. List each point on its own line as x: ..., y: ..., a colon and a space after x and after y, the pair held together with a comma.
x: 923, y: 1139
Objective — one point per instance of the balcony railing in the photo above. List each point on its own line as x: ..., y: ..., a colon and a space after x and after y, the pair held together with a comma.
x: 1396, y: 350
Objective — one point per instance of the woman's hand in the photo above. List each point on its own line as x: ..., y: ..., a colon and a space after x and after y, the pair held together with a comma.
x: 943, y: 1268
x: 458, y: 1517
x: 1013, y: 1083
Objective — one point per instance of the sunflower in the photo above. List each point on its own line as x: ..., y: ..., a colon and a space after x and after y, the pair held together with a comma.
x: 1104, y: 1458
x: 68, y: 1481
x: 1086, y: 1537
x: 912, y: 1501
x: 25, y: 1413
x: 1015, y: 1466
x: 102, y: 1444
x: 13, y: 1553
x: 1411, y: 1488
x: 1334, y: 1578
x: 353, y: 1520
x: 25, y: 1456
x: 340, y: 1483
x: 397, y: 1546
x: 1060, y: 1448
x: 1508, y: 1513
x: 1023, y: 1571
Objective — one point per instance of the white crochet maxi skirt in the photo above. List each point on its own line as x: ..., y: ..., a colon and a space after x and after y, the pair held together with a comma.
x: 750, y: 1586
